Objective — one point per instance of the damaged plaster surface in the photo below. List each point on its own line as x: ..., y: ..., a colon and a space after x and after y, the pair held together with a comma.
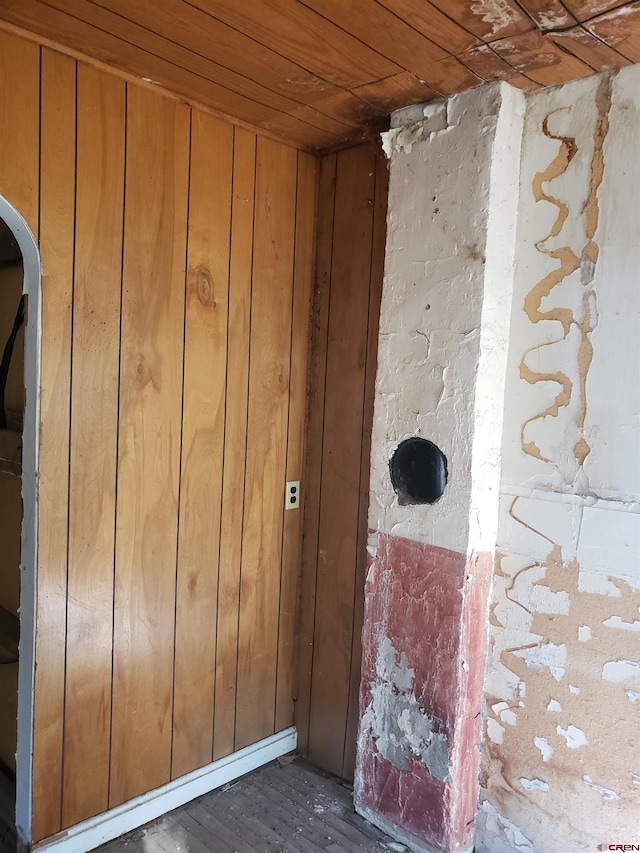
x: 416, y: 772
x: 398, y: 725
x: 434, y: 351
x: 508, y: 337
x: 441, y: 373
x: 561, y: 749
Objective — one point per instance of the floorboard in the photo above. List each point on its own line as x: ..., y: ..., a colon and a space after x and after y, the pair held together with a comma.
x: 285, y: 807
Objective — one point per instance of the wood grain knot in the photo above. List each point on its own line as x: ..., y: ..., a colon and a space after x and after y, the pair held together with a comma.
x: 204, y: 286
x: 142, y: 369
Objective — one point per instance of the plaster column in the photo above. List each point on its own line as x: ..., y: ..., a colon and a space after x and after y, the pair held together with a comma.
x: 444, y: 327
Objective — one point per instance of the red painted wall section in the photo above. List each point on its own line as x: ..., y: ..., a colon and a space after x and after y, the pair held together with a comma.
x: 471, y: 672
x: 423, y: 666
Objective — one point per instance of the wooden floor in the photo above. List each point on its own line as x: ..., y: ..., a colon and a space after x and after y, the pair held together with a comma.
x: 285, y: 807
x: 282, y: 808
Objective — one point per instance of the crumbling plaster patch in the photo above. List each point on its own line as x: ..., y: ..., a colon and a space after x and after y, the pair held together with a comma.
x: 395, y: 721
x: 441, y: 361
x: 570, y: 509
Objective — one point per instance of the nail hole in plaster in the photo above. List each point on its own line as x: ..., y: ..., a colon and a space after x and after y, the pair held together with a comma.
x: 418, y: 472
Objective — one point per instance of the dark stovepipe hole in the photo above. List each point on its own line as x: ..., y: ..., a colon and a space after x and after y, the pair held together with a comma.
x: 418, y: 472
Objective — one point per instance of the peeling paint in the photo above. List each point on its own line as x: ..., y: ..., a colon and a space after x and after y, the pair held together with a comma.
x: 509, y: 717
x: 534, y: 784
x: 494, y: 730
x: 492, y: 824
x: 607, y: 793
x: 574, y: 736
x: 584, y: 633
x: 564, y: 613
x: 617, y: 622
x: 621, y: 670
x: 597, y: 584
x: 433, y: 119
x: 397, y: 724
x: 497, y: 13
x: 546, y: 750
x: 549, y: 655
x: 570, y: 493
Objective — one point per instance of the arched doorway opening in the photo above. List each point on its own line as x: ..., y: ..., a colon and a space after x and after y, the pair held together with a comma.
x: 19, y: 418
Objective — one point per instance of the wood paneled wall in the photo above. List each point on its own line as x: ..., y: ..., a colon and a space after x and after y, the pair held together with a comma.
x: 350, y: 257
x: 177, y: 256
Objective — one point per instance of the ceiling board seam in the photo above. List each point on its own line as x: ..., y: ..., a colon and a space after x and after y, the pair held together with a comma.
x: 457, y: 23
x: 583, y: 27
x: 563, y: 47
x: 522, y: 8
x: 159, y: 88
x: 619, y: 5
x: 188, y: 71
x: 308, y: 70
x: 243, y: 34
x: 388, y: 58
x: 261, y: 44
x: 503, y: 58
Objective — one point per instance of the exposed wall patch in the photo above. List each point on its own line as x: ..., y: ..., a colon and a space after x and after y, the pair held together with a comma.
x: 549, y: 655
x: 621, y: 670
x: 607, y: 793
x: 534, y: 784
x: 494, y: 730
x: 546, y: 750
x: 617, y: 622
x: 569, y: 527
x: 574, y: 736
x: 398, y: 725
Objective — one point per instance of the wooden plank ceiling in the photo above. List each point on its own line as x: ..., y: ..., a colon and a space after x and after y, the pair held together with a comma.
x: 321, y: 73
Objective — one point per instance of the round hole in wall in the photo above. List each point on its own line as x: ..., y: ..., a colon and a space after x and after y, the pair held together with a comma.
x: 418, y: 471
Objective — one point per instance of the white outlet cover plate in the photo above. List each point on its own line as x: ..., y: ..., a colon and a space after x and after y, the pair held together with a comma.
x: 292, y: 494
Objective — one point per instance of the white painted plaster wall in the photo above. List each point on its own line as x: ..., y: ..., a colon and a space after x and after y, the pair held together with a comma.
x: 445, y: 309
x: 562, y: 751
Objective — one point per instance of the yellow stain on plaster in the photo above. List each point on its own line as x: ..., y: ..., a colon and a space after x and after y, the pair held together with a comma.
x: 569, y: 263
x: 580, y: 706
x: 591, y: 208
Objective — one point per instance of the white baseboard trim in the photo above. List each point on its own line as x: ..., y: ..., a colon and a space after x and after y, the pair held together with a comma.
x: 92, y: 833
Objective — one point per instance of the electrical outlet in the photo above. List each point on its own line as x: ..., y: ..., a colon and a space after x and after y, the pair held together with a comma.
x: 292, y: 495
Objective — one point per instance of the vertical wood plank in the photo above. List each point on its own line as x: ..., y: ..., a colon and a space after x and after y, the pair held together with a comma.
x: 266, y: 440
x: 152, y: 339
x: 202, y: 441
x: 292, y: 525
x: 375, y: 296
x: 313, y: 466
x: 244, y: 161
x: 57, y: 192
x: 19, y: 125
x: 94, y: 426
x: 346, y: 357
